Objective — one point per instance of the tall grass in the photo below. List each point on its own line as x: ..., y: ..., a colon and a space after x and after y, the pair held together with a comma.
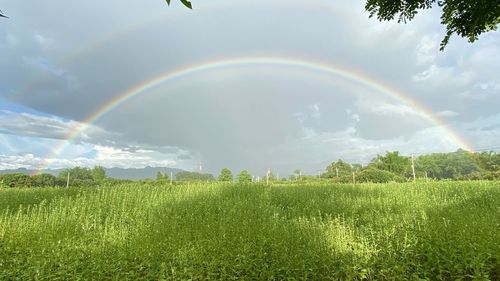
x: 437, y: 231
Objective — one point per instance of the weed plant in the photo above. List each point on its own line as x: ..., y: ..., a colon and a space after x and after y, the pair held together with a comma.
x: 317, y: 231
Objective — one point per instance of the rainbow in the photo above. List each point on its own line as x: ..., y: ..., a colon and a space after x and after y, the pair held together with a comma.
x: 310, y: 65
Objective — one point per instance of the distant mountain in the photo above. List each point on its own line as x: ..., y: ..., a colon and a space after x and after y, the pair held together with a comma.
x: 117, y: 173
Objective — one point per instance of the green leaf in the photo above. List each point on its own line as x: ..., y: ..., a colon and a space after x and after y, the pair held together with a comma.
x: 187, y: 4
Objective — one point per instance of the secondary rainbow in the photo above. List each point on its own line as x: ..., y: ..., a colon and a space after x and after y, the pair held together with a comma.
x: 311, y: 65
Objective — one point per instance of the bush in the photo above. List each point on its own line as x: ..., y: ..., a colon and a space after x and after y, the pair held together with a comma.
x: 15, y: 180
x: 377, y: 176
x: 481, y: 176
x: 43, y: 180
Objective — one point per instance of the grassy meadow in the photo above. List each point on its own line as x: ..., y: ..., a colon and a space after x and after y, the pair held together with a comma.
x: 433, y: 231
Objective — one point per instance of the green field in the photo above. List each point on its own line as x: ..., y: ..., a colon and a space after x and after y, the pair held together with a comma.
x: 435, y: 231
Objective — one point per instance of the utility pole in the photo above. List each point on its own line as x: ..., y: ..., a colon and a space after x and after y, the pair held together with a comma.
x: 67, y: 181
x: 354, y: 177
x: 337, y: 171
x: 413, y: 167
x: 171, y: 178
x: 267, y: 176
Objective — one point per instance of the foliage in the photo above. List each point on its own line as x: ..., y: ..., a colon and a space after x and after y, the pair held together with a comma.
x: 244, y: 177
x: 488, y: 161
x: 226, y: 175
x: 98, y: 174
x: 392, y: 162
x: 448, y: 165
x: 467, y: 18
x: 78, y: 176
x: 15, y: 180
x: 43, y: 180
x: 338, y: 169
x: 193, y: 176
x: 481, y: 176
x: 414, y: 231
x: 185, y: 2
x: 377, y: 176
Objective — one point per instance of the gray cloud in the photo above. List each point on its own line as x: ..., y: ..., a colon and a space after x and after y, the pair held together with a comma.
x: 78, y: 56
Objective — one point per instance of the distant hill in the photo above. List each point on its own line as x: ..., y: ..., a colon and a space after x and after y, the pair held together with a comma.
x: 117, y: 173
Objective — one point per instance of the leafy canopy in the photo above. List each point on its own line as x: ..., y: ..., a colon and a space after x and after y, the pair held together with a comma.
x: 392, y: 162
x: 244, y: 177
x: 467, y: 18
x: 226, y: 175
x: 98, y: 173
x: 339, y: 168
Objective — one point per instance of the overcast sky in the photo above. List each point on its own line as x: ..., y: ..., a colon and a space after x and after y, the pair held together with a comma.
x: 61, y: 61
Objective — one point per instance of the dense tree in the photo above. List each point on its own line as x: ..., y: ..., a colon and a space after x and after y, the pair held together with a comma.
x: 43, y: 180
x: 377, y: 176
x: 448, y: 165
x: 244, y: 177
x: 392, y: 162
x: 338, y: 169
x: 78, y: 176
x: 467, y: 18
x: 98, y: 174
x: 193, y: 176
x: 489, y: 161
x: 15, y: 180
x: 226, y: 175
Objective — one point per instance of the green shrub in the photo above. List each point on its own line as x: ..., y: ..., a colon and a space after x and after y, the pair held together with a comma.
x: 377, y: 176
x: 16, y: 180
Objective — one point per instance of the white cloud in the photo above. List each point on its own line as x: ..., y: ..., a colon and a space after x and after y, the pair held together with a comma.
x: 347, y: 145
x: 27, y: 161
x: 27, y: 124
x: 387, y: 109
x: 315, y: 112
x: 447, y: 113
x: 353, y: 115
x: 44, y: 41
x: 11, y: 39
x: 103, y: 155
x: 426, y: 50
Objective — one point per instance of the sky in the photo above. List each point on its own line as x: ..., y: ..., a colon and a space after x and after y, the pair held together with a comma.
x: 382, y: 86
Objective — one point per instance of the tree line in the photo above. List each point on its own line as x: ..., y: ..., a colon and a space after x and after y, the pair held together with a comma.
x: 391, y: 167
x: 394, y: 167
x: 458, y: 165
